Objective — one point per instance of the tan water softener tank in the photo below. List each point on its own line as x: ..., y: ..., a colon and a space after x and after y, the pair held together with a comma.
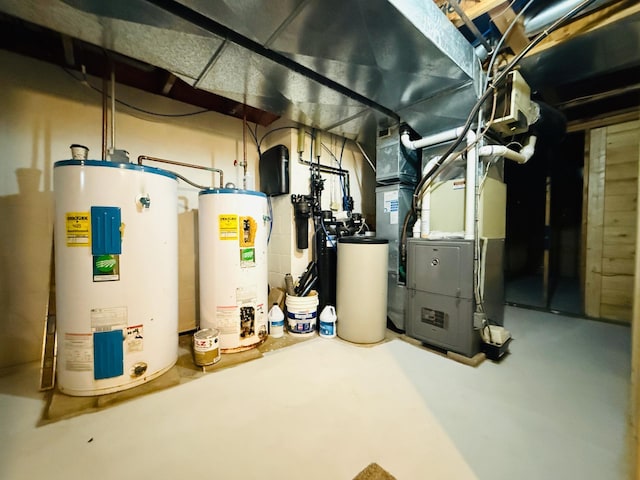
x: 361, y: 298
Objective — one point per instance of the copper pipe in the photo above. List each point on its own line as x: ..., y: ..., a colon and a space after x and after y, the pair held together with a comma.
x: 181, y: 164
x: 113, y: 109
x: 104, y: 118
x: 244, y: 140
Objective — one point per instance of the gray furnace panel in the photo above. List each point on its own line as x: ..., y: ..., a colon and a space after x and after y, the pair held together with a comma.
x: 444, y: 268
x: 440, y: 300
x: 443, y: 321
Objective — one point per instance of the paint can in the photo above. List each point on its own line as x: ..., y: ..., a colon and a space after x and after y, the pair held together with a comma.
x: 302, y: 313
x: 206, y: 347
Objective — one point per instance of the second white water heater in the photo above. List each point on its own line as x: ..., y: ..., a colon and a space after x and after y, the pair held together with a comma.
x: 233, y: 231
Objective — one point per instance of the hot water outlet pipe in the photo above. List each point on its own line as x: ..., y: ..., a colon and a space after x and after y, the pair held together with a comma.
x: 141, y: 158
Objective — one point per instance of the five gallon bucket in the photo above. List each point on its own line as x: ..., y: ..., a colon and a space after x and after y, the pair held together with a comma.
x: 206, y: 347
x: 302, y: 313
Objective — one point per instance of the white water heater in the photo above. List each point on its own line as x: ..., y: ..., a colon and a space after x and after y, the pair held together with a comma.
x: 233, y: 231
x: 116, y: 263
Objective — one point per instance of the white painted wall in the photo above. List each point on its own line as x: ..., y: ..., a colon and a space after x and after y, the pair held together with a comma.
x: 284, y: 257
x: 44, y: 110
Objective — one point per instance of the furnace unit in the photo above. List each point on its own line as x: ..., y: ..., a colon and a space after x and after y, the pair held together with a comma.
x: 442, y: 295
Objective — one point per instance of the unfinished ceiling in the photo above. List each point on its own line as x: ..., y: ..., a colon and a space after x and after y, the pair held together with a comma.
x: 347, y: 67
x: 588, y: 67
x: 343, y: 67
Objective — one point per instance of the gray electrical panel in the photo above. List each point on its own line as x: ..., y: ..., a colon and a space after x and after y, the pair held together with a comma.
x: 440, y: 294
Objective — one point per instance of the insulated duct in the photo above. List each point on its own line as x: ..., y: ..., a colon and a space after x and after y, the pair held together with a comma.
x: 537, y: 22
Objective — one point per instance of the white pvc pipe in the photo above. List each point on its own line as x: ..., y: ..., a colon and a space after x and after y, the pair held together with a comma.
x: 473, y: 155
x: 425, y: 214
x: 425, y: 210
x: 523, y: 156
x: 470, y: 188
x: 429, y: 140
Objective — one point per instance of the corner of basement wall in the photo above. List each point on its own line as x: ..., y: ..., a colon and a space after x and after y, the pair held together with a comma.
x: 284, y: 256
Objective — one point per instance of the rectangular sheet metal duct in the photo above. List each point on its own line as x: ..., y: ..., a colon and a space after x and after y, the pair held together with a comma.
x: 343, y: 66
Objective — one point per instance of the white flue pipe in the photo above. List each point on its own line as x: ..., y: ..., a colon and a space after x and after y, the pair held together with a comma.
x: 425, y: 210
x: 470, y: 182
x: 425, y: 214
x: 470, y: 187
x: 523, y: 156
x: 473, y: 154
x: 429, y: 140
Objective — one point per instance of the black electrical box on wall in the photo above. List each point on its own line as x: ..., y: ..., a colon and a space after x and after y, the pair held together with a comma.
x: 274, y: 171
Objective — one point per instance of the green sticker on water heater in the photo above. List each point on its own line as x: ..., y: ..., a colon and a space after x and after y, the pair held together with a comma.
x: 247, y: 257
x: 106, y: 268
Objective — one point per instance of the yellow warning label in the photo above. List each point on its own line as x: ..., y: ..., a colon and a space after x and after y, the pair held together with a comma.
x: 78, y: 228
x: 249, y: 227
x: 228, y: 226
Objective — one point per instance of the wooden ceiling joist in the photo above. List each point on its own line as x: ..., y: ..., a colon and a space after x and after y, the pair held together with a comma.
x: 598, y: 19
x: 473, y: 9
x: 502, y: 16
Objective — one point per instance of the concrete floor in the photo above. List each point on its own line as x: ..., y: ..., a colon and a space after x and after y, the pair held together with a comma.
x: 554, y: 408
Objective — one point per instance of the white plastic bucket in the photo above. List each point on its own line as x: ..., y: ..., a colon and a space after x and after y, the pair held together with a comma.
x: 302, y: 313
x: 327, y: 327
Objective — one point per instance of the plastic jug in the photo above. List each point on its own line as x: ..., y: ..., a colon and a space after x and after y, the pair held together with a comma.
x: 328, y: 320
x: 276, y: 321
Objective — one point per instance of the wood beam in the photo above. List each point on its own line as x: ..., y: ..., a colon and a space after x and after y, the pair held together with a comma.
x: 598, y: 19
x: 603, y: 120
x: 473, y: 9
x: 502, y: 16
x: 635, y: 362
